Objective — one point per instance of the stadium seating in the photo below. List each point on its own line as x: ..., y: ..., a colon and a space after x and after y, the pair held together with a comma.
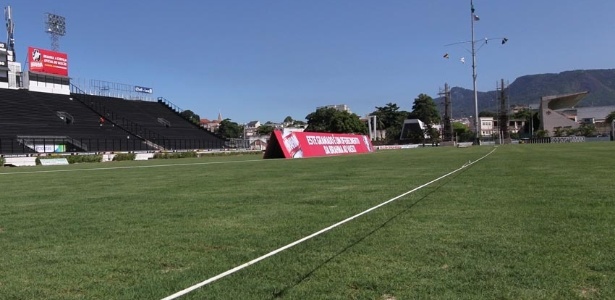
x: 40, y: 122
x: 153, y: 121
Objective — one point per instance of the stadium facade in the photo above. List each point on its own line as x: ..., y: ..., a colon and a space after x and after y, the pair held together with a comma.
x: 44, y: 112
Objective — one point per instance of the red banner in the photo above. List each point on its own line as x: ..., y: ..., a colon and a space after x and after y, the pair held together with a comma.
x: 47, y: 61
x: 312, y: 144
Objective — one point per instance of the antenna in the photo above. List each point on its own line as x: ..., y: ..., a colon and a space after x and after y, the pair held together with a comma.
x: 10, y: 27
x: 56, y: 27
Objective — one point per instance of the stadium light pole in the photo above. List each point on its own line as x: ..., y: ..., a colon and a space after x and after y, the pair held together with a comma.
x: 474, y: 18
x: 473, y: 51
x: 56, y: 26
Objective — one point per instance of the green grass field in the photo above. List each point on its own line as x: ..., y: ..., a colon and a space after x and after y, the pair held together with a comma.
x: 526, y: 222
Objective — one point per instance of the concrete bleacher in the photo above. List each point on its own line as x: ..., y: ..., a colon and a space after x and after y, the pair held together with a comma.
x: 154, y: 121
x: 34, y: 120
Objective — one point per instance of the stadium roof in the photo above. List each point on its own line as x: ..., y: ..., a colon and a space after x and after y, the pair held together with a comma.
x: 563, y: 101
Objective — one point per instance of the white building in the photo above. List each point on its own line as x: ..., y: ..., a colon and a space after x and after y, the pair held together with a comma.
x: 490, y: 126
x: 340, y: 107
x: 487, y: 126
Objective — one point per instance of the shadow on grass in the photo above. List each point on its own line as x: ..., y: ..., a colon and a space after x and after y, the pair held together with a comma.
x: 342, y: 251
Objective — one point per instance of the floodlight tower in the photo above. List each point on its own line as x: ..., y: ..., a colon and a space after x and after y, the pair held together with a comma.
x: 56, y: 26
x: 10, y: 28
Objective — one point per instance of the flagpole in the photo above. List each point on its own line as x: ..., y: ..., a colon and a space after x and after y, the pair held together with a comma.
x: 476, y: 123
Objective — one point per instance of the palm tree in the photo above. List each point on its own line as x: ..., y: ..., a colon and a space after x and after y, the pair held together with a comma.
x: 609, y: 121
x: 609, y: 118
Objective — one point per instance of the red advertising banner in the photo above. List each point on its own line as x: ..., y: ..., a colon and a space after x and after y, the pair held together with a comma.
x: 312, y: 144
x: 47, y: 61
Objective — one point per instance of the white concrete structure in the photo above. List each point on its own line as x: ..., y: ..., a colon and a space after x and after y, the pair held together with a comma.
x: 552, y: 111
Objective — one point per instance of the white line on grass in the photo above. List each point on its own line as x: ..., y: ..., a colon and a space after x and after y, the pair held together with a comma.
x: 274, y: 252
x: 132, y: 167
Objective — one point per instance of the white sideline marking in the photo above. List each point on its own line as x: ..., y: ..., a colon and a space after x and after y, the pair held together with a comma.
x: 133, y: 167
x: 274, y: 252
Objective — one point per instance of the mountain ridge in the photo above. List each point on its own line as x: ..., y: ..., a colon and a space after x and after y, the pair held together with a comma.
x: 528, y: 89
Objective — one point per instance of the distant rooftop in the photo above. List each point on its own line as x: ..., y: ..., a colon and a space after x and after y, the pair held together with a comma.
x: 596, y: 112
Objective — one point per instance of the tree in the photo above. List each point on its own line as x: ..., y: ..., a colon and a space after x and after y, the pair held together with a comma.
x: 391, y: 119
x: 541, y: 133
x: 462, y: 132
x: 434, y: 136
x: 609, y: 121
x: 523, y: 114
x: 288, y: 120
x: 230, y: 130
x: 334, y: 121
x: 487, y: 114
x: 609, y: 118
x: 571, y: 131
x: 559, y: 131
x: 297, y: 123
x: 535, y: 122
x: 531, y: 120
x: 264, y: 130
x: 426, y: 110
x: 587, y: 130
x: 191, y: 116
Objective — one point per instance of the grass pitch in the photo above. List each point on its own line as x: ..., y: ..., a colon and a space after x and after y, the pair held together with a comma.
x: 527, y: 222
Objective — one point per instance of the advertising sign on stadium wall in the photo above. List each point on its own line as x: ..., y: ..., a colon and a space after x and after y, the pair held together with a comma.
x: 313, y: 144
x: 146, y: 90
x: 47, y: 61
x: 49, y: 148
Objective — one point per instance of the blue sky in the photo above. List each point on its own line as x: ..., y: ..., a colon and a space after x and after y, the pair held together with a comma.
x: 268, y: 59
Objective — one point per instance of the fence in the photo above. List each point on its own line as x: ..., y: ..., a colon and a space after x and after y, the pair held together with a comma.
x: 113, y: 89
x: 61, y: 145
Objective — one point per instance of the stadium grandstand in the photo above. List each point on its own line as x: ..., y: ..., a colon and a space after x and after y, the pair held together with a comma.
x: 42, y: 111
x: 32, y: 122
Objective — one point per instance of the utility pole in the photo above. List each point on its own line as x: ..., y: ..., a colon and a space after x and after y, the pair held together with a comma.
x: 447, y: 125
x: 503, y: 115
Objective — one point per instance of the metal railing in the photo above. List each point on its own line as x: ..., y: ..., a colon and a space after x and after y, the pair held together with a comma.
x: 111, y: 89
x: 170, y: 104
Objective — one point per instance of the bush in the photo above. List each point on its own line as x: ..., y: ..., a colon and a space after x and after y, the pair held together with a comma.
x: 232, y: 153
x: 173, y: 155
x: 76, y: 159
x: 124, y: 156
x: 72, y: 159
x: 2, y: 162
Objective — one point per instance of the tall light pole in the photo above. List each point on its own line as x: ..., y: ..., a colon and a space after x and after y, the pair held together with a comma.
x: 474, y: 18
x: 56, y: 26
x: 473, y: 51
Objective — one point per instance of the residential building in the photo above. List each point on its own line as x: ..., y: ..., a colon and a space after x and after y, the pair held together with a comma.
x: 490, y: 126
x: 340, y: 107
x: 211, y: 125
x: 251, y: 128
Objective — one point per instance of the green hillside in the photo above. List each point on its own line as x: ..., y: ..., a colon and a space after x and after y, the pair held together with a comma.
x: 530, y: 88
